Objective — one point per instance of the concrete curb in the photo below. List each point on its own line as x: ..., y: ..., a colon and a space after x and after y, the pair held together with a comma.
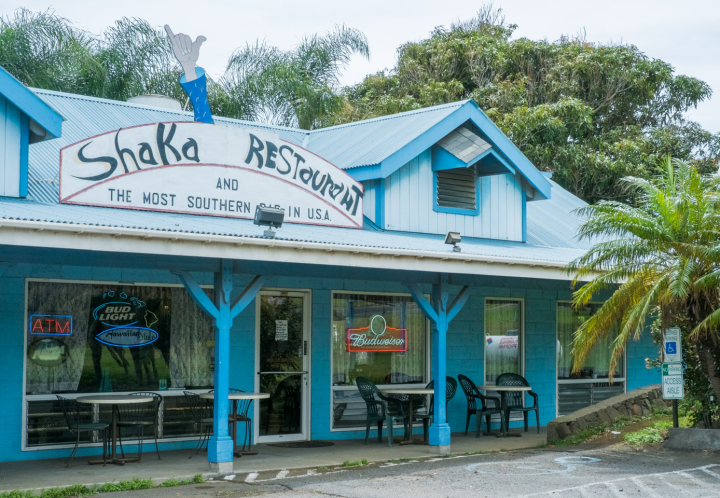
x: 693, y: 439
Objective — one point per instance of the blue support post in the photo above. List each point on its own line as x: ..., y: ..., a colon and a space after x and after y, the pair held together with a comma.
x: 438, y: 312
x: 220, y: 445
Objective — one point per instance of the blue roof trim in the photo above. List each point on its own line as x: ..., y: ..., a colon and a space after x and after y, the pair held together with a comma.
x: 30, y: 104
x: 503, y: 149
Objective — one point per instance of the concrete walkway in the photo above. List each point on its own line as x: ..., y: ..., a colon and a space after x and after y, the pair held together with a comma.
x: 39, y: 474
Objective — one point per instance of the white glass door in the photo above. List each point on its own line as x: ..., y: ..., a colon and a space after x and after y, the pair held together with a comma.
x: 282, y: 365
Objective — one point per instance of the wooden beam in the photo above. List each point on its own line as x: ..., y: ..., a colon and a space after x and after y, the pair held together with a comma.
x: 198, y: 294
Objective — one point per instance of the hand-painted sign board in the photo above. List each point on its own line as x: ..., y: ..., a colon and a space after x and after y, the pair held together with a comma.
x: 51, y: 325
x: 213, y: 170
x: 672, y: 350
x: 376, y: 337
x: 672, y: 381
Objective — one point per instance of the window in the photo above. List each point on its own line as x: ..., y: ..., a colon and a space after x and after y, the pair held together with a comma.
x: 591, y: 384
x: 378, y: 336
x: 456, y: 188
x: 87, y: 338
x: 503, y: 338
x: 597, y: 363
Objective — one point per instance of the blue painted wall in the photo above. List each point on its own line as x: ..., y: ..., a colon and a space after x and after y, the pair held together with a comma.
x: 465, y: 342
x: 405, y: 203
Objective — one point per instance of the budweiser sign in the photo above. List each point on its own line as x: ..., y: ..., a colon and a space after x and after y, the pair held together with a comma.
x: 376, y: 337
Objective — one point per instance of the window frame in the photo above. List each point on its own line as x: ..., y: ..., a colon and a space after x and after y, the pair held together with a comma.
x: 452, y: 210
x: 559, y: 381
x: 521, y: 300
x: 50, y: 397
x: 428, y: 356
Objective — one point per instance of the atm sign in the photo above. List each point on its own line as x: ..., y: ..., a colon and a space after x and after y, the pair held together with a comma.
x: 51, y: 325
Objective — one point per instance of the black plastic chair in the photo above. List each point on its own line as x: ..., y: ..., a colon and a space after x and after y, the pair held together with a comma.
x: 475, y: 398
x: 140, y: 416
x: 77, y: 423
x: 202, y: 414
x: 381, y: 408
x: 514, y: 400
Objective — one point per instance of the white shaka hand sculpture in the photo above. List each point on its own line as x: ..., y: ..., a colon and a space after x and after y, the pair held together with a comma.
x: 186, y: 51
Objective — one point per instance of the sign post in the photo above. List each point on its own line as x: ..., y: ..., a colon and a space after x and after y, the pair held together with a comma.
x: 672, y: 371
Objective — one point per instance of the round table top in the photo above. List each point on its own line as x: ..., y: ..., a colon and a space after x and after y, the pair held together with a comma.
x: 238, y: 396
x: 113, y: 399
x: 407, y: 390
x: 504, y: 388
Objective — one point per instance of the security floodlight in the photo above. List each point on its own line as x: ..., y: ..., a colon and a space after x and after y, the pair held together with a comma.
x: 454, y: 239
x: 269, y: 217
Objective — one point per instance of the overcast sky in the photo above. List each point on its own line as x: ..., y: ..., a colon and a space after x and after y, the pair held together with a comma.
x: 684, y: 33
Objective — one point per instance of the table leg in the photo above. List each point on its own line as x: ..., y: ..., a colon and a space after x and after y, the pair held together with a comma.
x: 506, y: 416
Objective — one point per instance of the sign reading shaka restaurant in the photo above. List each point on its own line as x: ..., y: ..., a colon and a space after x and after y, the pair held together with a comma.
x: 196, y: 168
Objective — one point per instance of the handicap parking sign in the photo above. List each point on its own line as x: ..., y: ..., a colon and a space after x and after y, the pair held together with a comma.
x: 671, y: 342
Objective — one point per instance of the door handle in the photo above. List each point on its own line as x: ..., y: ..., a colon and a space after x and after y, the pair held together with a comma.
x: 289, y: 373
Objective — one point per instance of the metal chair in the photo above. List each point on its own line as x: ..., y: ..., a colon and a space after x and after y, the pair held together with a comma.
x: 202, y: 413
x: 139, y: 416
x: 384, y: 409
x: 475, y: 398
x: 241, y: 416
x: 74, y: 420
x: 514, y: 400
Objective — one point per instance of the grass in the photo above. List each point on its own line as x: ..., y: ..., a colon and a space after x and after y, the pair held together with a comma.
x: 80, y: 491
x: 650, y: 435
x: 357, y: 463
x: 322, y: 468
x: 598, y: 430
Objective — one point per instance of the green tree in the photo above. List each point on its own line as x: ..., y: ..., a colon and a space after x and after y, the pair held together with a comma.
x: 590, y: 113
x: 665, y: 250
x: 298, y: 87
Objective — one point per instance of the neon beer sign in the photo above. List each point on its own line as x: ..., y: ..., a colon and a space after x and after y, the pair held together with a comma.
x: 51, y: 325
x: 376, y: 337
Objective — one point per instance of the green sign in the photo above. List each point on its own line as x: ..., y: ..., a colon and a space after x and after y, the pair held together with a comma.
x: 672, y: 381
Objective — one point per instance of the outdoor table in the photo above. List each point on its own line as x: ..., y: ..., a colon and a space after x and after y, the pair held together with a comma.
x: 411, y: 392
x: 234, y: 397
x: 114, y: 400
x: 503, y: 390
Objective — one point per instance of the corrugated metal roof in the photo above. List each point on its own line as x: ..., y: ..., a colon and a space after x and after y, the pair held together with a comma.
x: 369, y: 142
x: 550, y: 225
x: 22, y: 209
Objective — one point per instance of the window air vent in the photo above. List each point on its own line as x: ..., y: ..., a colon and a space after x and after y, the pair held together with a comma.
x: 456, y: 188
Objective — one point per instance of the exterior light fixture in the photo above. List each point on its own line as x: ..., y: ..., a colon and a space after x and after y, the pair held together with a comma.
x: 269, y: 217
x: 454, y: 239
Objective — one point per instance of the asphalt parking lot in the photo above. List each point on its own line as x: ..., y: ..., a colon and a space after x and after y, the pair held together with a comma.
x: 600, y: 472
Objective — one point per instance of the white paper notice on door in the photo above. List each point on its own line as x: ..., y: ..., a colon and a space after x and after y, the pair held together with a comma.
x: 281, y: 330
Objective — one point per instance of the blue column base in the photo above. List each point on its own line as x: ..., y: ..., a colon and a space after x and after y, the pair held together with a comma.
x: 440, y: 434
x: 220, y: 449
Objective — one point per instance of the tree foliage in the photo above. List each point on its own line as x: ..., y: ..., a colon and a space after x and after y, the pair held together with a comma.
x: 665, y: 249
x: 298, y: 87
x: 590, y: 113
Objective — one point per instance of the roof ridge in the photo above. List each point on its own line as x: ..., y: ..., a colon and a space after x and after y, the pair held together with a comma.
x: 78, y: 96
x: 458, y: 103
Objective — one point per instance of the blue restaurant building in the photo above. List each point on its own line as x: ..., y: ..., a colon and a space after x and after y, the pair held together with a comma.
x: 129, y: 261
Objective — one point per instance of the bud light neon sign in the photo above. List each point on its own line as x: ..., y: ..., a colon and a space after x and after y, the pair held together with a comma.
x: 376, y: 337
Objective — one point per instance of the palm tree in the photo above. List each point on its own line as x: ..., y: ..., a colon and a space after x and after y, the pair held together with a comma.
x: 664, y: 251
x: 298, y: 87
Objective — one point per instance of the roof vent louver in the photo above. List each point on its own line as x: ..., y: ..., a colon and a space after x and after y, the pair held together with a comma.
x: 456, y: 188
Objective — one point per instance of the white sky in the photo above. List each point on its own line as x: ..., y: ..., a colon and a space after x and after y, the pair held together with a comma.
x: 682, y: 33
